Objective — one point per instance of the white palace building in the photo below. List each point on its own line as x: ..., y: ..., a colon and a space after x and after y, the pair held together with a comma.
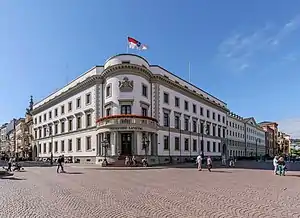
x: 129, y: 108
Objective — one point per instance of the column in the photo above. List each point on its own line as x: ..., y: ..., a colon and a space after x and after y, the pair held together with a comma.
x: 134, y: 143
x: 113, y: 146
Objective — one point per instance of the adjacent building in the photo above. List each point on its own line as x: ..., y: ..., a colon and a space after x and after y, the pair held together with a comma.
x: 271, y: 128
x: 284, y: 142
x: 3, y: 138
x: 245, y: 137
x: 129, y: 107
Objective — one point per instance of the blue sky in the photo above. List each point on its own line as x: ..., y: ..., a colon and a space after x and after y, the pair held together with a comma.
x: 243, y: 52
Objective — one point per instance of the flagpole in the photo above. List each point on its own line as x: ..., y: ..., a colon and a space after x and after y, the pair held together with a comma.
x: 189, y: 72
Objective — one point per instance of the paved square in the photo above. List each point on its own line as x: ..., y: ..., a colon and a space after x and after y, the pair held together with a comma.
x: 151, y: 193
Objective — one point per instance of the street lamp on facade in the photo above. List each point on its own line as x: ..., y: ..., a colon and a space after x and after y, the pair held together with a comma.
x: 105, y: 144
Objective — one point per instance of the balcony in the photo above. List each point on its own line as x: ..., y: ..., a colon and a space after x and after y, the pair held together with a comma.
x: 127, y: 122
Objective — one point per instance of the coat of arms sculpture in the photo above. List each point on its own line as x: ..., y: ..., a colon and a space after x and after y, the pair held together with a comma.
x: 126, y: 85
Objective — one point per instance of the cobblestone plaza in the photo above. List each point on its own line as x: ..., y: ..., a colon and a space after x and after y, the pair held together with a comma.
x: 173, y: 192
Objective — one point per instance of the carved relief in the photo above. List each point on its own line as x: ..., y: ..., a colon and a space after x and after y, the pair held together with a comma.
x: 126, y: 85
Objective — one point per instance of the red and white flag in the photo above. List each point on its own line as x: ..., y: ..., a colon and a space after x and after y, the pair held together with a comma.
x: 135, y: 44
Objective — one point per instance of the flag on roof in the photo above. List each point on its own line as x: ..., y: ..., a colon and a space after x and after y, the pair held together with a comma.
x: 135, y: 44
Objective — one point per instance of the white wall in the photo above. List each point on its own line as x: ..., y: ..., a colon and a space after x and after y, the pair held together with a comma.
x: 69, y: 134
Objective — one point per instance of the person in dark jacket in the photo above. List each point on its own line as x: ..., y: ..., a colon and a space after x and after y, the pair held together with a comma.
x: 60, y: 162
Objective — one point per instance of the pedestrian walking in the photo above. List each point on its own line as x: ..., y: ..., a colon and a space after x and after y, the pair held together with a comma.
x: 9, y: 164
x: 199, y: 162
x: 275, y: 164
x: 60, y: 162
x: 209, y: 163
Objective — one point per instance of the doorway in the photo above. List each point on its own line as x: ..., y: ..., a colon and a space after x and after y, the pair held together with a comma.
x: 126, y: 143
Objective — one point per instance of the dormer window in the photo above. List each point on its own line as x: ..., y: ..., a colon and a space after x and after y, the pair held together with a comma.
x: 125, y: 62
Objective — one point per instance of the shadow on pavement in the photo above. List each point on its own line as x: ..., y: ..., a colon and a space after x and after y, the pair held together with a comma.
x: 219, y: 171
x: 73, y: 173
x: 126, y: 168
x: 291, y: 175
x: 11, y: 178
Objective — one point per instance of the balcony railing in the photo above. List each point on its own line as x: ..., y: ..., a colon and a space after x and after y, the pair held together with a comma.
x: 127, y: 120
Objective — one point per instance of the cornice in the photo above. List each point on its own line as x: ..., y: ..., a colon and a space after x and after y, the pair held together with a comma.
x: 132, y: 68
x: 90, y: 81
x: 165, y: 80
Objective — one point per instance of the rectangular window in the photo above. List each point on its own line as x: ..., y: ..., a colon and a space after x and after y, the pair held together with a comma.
x: 78, y: 144
x: 144, y: 90
x: 214, y: 130
x: 144, y: 112
x: 108, y: 91
x: 56, y: 128
x: 186, y: 105
x: 62, y: 109
x: 45, y: 117
x: 207, y: 129
x: 78, y: 102
x: 88, y: 99
x: 70, y: 145
x: 62, y: 146
x: 40, y: 148
x: 50, y: 147
x: 88, y: 120
x: 201, y: 128
x: 219, y: 118
x: 50, y: 130
x: 70, y: 106
x: 219, y: 147
x: 40, y: 133
x: 177, y: 144
x: 177, y: 122
x: 126, y: 109
x: 88, y: 143
x: 166, y: 98
x: 56, y: 147
x: 186, y: 124
x: 208, y: 146
x: 55, y: 112
x: 186, y: 144
x: 78, y: 122
x: 223, y: 133
x: 219, y: 131
x: 35, y: 134
x: 214, y: 146
x: 50, y: 115
x: 207, y: 113
x: 166, y: 142
x: 45, y: 148
x: 35, y: 120
x: 177, y: 102
x: 70, y: 124
x: 40, y: 119
x: 166, y: 120
x: 194, y: 144
x: 201, y: 111
x: 45, y: 131
x: 194, y: 126
x: 194, y: 109
x: 214, y: 116
x: 62, y: 124
x: 223, y: 119
x: 108, y: 112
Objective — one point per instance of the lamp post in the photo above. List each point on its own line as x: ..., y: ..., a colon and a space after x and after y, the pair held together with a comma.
x: 50, y: 133
x: 256, y: 140
x: 105, y: 144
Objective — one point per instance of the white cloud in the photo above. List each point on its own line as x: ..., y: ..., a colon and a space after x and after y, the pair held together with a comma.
x: 240, y: 50
x: 290, y: 126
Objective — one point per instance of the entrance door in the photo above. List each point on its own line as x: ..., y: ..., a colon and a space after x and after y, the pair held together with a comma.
x: 126, y: 142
